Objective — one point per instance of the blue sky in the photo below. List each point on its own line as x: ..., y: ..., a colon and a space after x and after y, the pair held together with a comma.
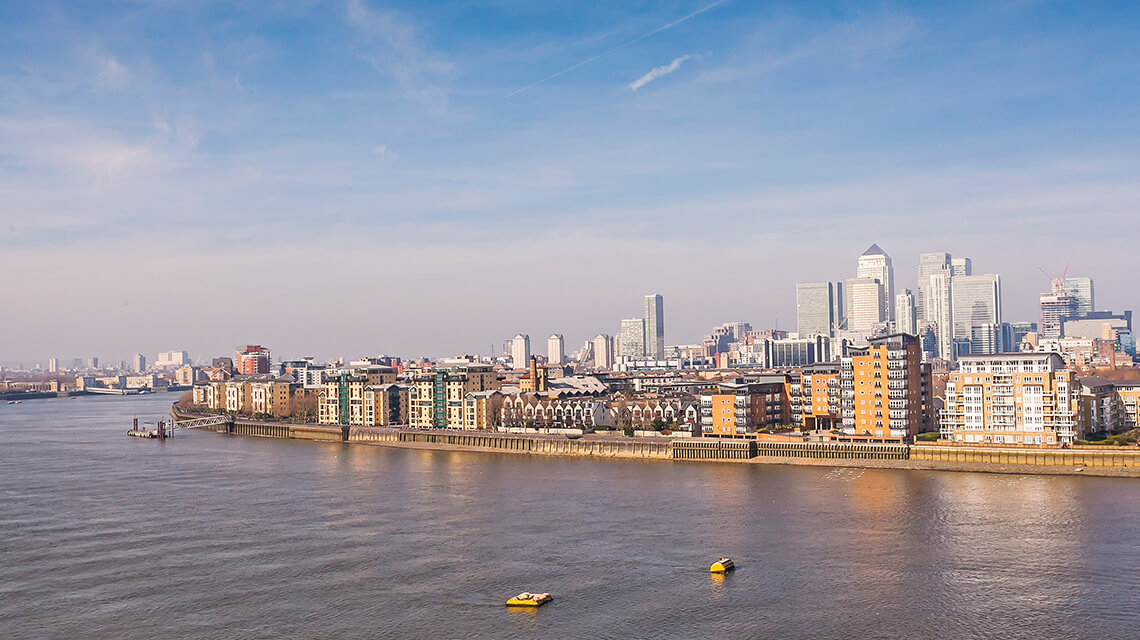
x: 338, y: 178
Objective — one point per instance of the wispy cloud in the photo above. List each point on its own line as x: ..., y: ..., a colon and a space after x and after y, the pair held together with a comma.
x: 420, y: 72
x: 112, y: 74
x: 622, y: 45
x: 657, y: 72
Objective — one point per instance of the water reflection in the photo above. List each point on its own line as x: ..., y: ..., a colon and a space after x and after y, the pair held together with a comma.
x: 267, y: 538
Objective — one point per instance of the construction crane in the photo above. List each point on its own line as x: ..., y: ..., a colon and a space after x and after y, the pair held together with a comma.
x: 1058, y: 283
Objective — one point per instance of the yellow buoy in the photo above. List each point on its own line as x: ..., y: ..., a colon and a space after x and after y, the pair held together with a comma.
x: 526, y: 599
x: 724, y: 565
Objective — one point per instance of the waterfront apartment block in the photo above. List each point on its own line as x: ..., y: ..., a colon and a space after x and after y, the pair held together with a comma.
x: 1014, y: 398
x: 814, y: 397
x: 740, y: 409
x: 362, y: 396
x: 882, y: 389
x: 252, y: 395
x: 436, y: 397
x: 1109, y: 405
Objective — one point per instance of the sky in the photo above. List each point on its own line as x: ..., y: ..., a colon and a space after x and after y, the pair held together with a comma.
x: 428, y: 178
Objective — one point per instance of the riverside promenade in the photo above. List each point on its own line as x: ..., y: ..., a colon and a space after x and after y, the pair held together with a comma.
x: 1094, y: 461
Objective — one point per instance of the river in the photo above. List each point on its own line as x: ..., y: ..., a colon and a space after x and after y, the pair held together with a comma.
x: 213, y: 536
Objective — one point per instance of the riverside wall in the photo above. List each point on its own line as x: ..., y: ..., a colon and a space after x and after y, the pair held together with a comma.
x: 1106, y: 461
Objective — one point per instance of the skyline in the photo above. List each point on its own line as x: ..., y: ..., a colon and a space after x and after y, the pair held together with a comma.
x: 162, y: 165
x: 497, y: 347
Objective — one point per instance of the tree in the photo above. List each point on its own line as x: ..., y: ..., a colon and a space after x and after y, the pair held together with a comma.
x: 186, y: 400
x: 658, y: 423
x: 305, y: 408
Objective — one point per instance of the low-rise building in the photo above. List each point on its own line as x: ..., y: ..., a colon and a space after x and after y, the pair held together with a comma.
x: 740, y: 409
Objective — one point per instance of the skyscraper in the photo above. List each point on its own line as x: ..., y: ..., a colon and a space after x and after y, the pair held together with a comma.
x: 818, y: 306
x: 53, y: 365
x: 520, y: 351
x: 555, y: 349
x: 928, y: 265
x: 905, y: 321
x: 1081, y: 288
x: 977, y: 303
x: 864, y: 304
x: 940, y: 312
x: 1054, y: 308
x: 138, y: 363
x: 876, y: 264
x: 603, y: 351
x: 654, y: 327
x: 961, y: 267
x: 632, y: 338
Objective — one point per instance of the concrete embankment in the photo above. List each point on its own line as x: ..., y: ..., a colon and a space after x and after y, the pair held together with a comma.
x: 512, y: 443
x: 1082, y: 461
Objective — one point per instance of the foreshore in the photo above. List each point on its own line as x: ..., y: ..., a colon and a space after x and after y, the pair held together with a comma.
x: 1101, y: 461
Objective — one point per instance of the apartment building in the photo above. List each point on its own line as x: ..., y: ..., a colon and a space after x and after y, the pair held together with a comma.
x: 814, y: 398
x: 1108, y: 405
x: 740, y: 409
x: 359, y: 396
x: 1014, y: 398
x: 881, y: 389
x: 436, y: 397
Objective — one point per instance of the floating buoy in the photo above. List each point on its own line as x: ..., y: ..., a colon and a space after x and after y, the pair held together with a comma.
x: 724, y: 565
x: 527, y: 599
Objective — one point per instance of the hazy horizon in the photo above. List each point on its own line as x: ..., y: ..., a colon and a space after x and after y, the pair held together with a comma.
x: 350, y: 178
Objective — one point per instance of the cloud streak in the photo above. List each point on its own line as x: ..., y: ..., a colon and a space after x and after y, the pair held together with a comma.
x: 620, y: 46
x: 657, y: 72
x: 420, y: 72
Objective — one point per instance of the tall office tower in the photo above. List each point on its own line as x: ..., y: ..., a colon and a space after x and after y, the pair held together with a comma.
x: 555, y: 349
x: 839, y: 307
x: 138, y: 363
x: 905, y: 321
x: 817, y: 304
x: 864, y: 304
x: 1055, y: 307
x: 631, y: 342
x: 603, y: 351
x: 1081, y: 288
x: 928, y: 265
x: 93, y: 363
x: 53, y: 365
x: 654, y: 327
x: 977, y: 303
x: 940, y: 312
x: 961, y: 267
x: 520, y: 351
x: 875, y: 263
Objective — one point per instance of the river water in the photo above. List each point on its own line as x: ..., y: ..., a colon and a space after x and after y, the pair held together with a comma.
x: 213, y: 536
